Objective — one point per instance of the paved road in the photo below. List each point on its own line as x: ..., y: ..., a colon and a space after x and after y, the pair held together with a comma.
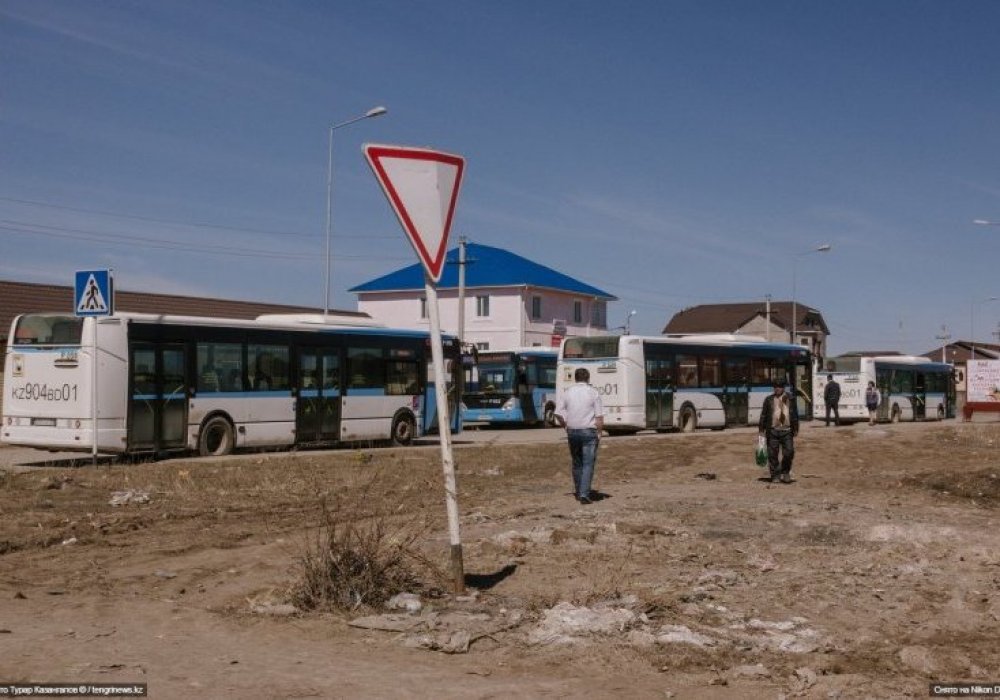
x: 23, y: 457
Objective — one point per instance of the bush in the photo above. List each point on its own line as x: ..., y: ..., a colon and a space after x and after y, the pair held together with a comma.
x: 360, y: 556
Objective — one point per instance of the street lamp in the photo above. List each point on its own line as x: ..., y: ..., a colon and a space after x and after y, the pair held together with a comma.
x: 972, y: 323
x: 373, y: 112
x: 628, y: 321
x: 825, y: 248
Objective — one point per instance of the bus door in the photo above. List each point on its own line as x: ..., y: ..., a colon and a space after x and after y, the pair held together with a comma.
x: 919, y: 396
x: 526, y: 383
x: 317, y: 407
x: 158, y: 401
x: 736, y: 390
x: 659, y: 393
x: 802, y: 373
x: 883, y: 382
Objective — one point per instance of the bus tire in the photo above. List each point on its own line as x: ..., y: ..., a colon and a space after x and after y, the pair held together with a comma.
x: 216, y: 437
x: 896, y: 415
x: 688, y: 419
x: 404, y: 429
x: 549, y: 420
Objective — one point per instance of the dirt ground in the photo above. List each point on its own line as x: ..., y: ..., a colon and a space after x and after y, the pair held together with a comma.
x: 876, y: 573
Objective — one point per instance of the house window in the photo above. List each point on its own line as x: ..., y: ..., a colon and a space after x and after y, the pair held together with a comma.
x: 482, y: 346
x: 482, y: 306
x: 577, y: 311
x: 423, y: 307
x: 599, y: 314
x: 536, y: 308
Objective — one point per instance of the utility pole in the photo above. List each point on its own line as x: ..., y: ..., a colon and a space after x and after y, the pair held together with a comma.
x: 461, y: 290
x: 767, y: 317
x: 945, y: 336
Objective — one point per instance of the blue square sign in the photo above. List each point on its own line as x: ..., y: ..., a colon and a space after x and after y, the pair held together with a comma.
x: 94, y: 294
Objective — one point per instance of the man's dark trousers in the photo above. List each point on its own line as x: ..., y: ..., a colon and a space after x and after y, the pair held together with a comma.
x: 836, y: 413
x: 785, y: 441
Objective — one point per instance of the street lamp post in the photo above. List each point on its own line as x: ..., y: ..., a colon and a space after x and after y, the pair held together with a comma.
x: 972, y: 323
x: 825, y: 248
x: 628, y: 322
x: 373, y: 112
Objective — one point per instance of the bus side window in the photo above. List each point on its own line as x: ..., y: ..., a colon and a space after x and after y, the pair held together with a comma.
x: 687, y: 371
x: 209, y: 379
x: 761, y: 371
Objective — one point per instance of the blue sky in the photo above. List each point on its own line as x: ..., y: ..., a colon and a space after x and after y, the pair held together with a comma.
x: 671, y: 153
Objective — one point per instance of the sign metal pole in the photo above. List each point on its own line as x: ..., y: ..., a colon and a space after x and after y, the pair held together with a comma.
x: 444, y: 430
x: 93, y: 391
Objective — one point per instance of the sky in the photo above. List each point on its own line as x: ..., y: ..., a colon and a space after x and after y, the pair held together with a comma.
x: 671, y: 153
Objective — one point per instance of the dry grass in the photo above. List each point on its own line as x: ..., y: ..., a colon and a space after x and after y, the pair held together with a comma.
x: 363, y: 553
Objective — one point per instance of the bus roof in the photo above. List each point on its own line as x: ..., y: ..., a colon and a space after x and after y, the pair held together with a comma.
x: 300, y: 322
x: 897, y: 360
x: 717, y: 339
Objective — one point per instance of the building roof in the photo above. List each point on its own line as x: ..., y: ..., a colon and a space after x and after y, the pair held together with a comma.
x: 730, y: 318
x: 486, y: 266
x: 961, y: 351
x: 26, y: 297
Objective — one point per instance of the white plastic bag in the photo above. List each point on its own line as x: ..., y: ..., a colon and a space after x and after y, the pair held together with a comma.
x: 760, y: 452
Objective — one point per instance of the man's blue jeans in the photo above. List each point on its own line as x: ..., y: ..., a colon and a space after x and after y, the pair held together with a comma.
x: 583, y: 450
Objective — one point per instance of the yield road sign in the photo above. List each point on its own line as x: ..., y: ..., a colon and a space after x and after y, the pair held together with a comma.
x: 422, y: 188
x: 93, y: 295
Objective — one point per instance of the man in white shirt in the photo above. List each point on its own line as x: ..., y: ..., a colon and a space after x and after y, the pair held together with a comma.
x: 579, y: 411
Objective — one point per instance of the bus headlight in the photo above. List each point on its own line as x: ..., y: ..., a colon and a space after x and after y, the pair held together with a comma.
x: 509, y: 404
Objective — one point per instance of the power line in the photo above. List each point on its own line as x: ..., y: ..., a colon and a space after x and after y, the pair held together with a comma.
x: 23, y: 228
x: 171, y: 222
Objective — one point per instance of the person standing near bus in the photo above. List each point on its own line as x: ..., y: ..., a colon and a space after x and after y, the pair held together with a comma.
x: 580, y: 412
x: 872, y: 399
x: 831, y: 397
x: 779, y: 423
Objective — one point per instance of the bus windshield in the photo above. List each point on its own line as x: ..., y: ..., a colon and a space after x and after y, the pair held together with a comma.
x: 843, y: 364
x: 496, y: 378
x: 586, y: 348
x: 37, y: 329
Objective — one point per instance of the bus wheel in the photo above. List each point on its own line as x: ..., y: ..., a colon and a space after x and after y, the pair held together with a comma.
x: 550, y: 416
x: 404, y: 429
x: 216, y: 438
x: 896, y: 414
x: 689, y: 419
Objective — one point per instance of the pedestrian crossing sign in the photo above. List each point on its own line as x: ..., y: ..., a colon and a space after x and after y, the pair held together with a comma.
x: 94, y: 293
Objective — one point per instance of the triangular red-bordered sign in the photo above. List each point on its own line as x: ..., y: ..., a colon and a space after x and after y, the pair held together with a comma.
x: 422, y: 187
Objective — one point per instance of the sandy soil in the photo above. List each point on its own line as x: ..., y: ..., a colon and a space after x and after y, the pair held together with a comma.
x: 875, y: 573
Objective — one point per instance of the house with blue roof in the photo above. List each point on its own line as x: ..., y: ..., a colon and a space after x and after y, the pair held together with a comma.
x: 510, y: 301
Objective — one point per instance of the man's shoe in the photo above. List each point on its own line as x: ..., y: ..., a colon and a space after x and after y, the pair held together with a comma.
x: 775, y: 479
x: 584, y: 500
x: 786, y: 478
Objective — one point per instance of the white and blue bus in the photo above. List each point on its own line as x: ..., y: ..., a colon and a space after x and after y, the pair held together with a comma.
x: 911, y: 388
x: 177, y: 384
x: 511, y: 387
x: 685, y: 382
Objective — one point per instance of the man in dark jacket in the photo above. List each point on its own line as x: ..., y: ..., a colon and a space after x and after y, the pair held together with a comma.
x: 779, y: 423
x: 831, y: 397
